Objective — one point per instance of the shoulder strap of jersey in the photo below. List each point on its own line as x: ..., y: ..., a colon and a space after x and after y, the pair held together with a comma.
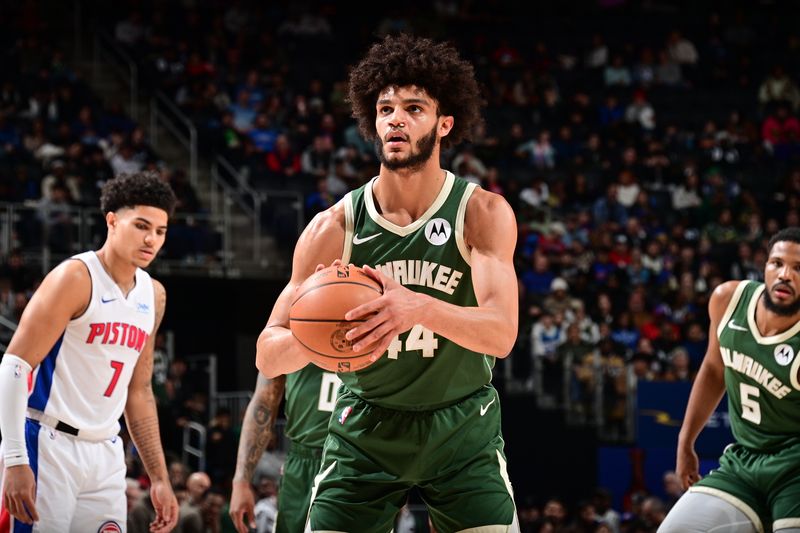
x: 737, y: 295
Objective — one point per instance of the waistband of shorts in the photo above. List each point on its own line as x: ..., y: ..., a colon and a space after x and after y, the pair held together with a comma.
x: 420, y: 412
x: 298, y: 449
x: 63, y: 427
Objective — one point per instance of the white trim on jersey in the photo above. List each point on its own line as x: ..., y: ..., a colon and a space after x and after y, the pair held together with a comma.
x: 460, y: 216
x: 404, y: 231
x: 349, y: 226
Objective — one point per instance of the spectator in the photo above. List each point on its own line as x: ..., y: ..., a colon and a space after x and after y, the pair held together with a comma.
x: 191, y: 511
x: 617, y: 73
x: 681, y: 50
x: 668, y: 72
x: 781, y: 133
x: 266, y: 508
x: 679, y: 368
x: 559, y: 300
x: 779, y: 88
x: 640, y: 112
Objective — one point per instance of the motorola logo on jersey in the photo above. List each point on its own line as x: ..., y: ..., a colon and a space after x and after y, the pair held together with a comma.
x: 437, y: 231
x: 784, y: 354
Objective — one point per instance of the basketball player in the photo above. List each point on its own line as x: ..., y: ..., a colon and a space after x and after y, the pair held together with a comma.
x: 752, y: 353
x: 83, y: 354
x: 310, y: 394
x: 424, y: 414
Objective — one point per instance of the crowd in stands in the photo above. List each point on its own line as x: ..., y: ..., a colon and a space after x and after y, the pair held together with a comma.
x: 59, y: 144
x: 646, y: 165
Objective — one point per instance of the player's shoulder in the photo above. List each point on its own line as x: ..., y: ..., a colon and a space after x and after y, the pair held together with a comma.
x: 68, y: 273
x: 158, y: 289
x: 483, y: 205
x: 488, y: 214
x: 328, y: 222
x: 721, y: 297
x: 321, y: 242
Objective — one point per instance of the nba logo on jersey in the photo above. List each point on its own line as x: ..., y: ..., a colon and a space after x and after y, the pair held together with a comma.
x: 345, y: 413
x: 109, y: 527
x: 437, y: 231
x: 784, y: 354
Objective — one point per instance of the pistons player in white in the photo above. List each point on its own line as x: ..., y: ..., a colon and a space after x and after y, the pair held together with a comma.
x: 81, y: 356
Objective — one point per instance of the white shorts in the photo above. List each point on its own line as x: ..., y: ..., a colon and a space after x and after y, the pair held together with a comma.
x: 80, y: 484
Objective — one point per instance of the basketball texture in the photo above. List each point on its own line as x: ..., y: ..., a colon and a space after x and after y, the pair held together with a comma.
x: 316, y: 317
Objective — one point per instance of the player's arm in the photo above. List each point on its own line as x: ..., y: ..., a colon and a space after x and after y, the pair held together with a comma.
x: 491, y: 327
x: 141, y: 418
x: 259, y: 422
x: 277, y: 351
x: 707, y: 390
x: 63, y: 294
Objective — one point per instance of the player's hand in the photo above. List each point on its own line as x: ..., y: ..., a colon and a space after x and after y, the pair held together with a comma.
x: 336, y: 262
x: 688, y: 467
x: 396, y: 311
x: 19, y: 493
x: 166, y: 506
x: 242, y: 503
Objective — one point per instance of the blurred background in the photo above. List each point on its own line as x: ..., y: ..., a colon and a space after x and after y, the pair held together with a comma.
x: 648, y: 148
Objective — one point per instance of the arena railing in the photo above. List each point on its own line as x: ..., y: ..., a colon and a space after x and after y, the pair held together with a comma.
x: 594, y: 392
x: 194, y: 447
x: 121, y: 64
x: 46, y: 235
x: 227, y: 180
x: 166, y: 114
x: 7, y: 329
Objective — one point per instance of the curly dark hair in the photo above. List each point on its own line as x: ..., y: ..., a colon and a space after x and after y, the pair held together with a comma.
x: 790, y: 234
x: 403, y: 60
x: 142, y: 188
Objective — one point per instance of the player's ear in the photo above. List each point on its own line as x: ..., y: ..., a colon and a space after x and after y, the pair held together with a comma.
x: 111, y: 220
x: 445, y: 125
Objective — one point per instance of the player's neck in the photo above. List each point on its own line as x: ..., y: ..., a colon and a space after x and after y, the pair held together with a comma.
x: 770, y: 323
x: 411, y: 192
x: 122, y: 272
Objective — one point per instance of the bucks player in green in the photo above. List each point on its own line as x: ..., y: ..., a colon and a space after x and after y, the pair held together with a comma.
x: 310, y: 395
x: 424, y: 414
x: 753, y: 354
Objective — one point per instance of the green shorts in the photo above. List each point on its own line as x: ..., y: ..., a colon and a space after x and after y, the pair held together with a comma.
x: 301, y: 465
x: 373, y: 456
x: 764, y: 486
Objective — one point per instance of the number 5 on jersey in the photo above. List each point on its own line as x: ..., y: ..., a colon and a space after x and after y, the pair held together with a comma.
x: 419, y: 338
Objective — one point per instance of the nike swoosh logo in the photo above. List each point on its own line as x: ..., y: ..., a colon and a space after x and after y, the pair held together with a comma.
x: 733, y: 325
x: 362, y: 240
x: 106, y: 301
x: 485, y: 408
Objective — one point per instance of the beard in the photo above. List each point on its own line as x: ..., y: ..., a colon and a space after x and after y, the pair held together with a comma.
x: 781, y: 310
x: 415, y: 160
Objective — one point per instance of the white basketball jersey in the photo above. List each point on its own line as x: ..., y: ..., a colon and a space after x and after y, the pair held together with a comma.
x: 83, y: 380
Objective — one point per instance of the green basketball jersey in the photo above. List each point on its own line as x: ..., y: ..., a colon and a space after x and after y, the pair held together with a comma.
x: 761, y: 375
x: 310, y: 397
x: 421, y: 370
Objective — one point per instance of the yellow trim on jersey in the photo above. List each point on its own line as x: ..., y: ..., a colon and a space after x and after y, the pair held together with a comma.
x: 349, y: 224
x: 404, y: 231
x: 733, y: 500
x: 460, y: 215
x: 737, y: 295
x: 751, y: 320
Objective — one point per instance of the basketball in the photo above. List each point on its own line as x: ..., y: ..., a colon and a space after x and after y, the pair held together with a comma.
x: 316, y: 317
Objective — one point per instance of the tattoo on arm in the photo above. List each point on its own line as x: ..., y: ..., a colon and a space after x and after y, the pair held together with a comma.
x: 145, y: 434
x: 259, y: 422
